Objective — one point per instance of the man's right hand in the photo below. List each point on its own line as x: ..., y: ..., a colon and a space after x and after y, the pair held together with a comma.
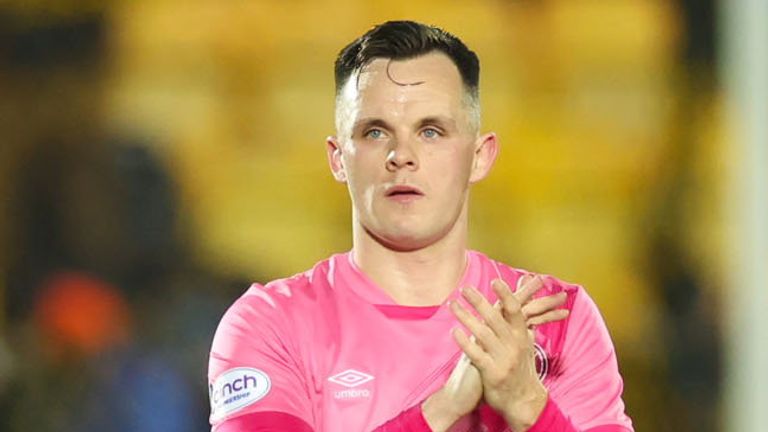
x: 458, y: 397
x: 463, y: 391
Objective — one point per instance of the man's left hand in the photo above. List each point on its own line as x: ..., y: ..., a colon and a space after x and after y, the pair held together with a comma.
x: 503, y: 352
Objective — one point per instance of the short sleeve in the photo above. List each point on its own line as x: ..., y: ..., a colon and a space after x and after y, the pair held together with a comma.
x: 252, y: 366
x: 589, y: 387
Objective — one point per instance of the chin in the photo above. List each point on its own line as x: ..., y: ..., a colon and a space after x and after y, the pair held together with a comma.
x: 403, y: 240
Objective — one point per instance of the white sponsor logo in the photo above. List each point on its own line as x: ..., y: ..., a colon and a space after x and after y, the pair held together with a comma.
x: 236, y: 389
x: 350, y: 378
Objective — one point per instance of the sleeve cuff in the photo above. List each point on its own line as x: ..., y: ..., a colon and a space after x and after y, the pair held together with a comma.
x: 418, y: 423
x: 410, y: 420
x: 552, y: 419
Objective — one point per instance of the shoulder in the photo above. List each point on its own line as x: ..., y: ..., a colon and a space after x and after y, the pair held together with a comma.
x: 552, y: 285
x: 257, y: 360
x: 286, y: 294
x: 272, y: 307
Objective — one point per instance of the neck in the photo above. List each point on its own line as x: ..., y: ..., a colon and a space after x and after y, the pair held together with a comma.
x: 420, y: 277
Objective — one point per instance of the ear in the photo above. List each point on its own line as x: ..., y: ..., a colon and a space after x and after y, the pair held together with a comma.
x: 486, y: 150
x: 333, y: 147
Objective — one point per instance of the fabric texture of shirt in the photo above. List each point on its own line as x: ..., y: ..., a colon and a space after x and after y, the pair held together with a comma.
x: 328, y: 350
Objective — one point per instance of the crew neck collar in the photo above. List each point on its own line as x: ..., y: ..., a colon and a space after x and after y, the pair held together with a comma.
x: 363, y: 287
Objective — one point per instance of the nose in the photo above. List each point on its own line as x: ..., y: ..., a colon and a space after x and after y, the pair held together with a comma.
x: 401, y: 155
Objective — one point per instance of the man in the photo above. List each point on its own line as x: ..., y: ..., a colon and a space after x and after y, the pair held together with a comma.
x: 410, y: 331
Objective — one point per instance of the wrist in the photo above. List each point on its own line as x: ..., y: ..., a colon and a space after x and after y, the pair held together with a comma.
x: 439, y: 412
x: 524, y: 412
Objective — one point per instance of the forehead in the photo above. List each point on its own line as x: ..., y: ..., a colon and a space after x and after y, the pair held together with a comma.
x: 431, y: 80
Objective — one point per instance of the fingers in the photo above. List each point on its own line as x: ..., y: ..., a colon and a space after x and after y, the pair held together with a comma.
x: 504, y: 294
x: 492, y: 332
x: 544, y: 304
x: 528, y: 288
x: 511, y: 306
x: 475, y: 354
x: 522, y: 280
x: 541, y: 310
x: 483, y: 335
x: 489, y: 314
x: 551, y: 316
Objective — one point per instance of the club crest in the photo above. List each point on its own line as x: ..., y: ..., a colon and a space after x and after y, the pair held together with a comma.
x: 542, y: 362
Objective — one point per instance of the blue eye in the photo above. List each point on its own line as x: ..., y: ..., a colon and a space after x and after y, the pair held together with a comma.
x: 430, y: 133
x: 374, y: 133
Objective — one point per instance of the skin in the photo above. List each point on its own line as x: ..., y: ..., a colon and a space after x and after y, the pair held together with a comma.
x: 416, y: 135
x: 406, y: 123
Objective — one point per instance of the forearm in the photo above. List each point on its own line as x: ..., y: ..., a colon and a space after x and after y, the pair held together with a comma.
x: 552, y: 419
x: 410, y: 420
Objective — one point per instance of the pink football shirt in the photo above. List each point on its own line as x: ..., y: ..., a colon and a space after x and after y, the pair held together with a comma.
x: 331, y: 348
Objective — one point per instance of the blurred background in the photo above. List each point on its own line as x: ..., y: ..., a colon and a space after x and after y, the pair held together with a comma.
x: 156, y: 156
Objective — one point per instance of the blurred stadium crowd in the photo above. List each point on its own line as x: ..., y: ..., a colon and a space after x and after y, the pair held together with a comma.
x: 158, y: 156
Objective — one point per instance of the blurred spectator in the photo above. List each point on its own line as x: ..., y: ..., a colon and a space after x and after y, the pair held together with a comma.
x: 80, y: 313
x: 108, y: 319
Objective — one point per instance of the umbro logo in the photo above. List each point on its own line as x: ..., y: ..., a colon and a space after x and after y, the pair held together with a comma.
x: 350, y: 378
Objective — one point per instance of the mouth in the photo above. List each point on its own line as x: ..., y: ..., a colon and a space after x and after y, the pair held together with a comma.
x: 403, y: 193
x: 403, y: 190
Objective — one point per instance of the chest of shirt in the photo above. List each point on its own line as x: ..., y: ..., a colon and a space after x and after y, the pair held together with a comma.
x: 373, y: 366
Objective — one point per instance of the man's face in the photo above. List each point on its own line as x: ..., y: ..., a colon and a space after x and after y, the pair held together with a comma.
x: 407, y: 149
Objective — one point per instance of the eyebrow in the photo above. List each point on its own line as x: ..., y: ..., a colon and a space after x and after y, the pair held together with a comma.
x: 367, y: 122
x: 438, y: 120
